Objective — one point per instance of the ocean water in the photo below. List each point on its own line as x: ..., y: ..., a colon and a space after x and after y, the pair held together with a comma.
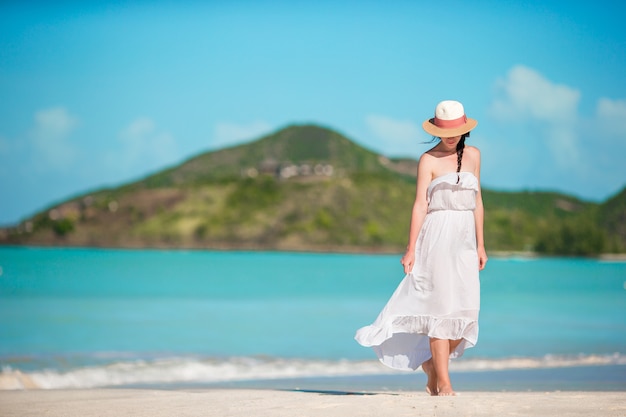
x: 81, y: 318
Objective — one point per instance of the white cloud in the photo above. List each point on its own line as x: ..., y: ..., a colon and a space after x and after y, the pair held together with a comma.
x: 553, y: 143
x: 227, y: 134
x: 138, y: 129
x: 611, y: 116
x: 50, y: 135
x: 144, y: 148
x: 526, y: 96
x: 525, y: 93
x: 399, y: 137
x: 563, y: 142
x: 54, y: 122
x: 404, y: 132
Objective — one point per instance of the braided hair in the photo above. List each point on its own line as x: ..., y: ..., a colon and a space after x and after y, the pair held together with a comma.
x: 459, y: 155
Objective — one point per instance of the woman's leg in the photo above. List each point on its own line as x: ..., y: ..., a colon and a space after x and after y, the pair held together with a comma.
x: 440, y: 349
x: 429, y: 370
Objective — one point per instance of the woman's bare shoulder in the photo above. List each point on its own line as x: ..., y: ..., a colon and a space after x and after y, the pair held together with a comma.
x: 425, y: 165
x: 426, y: 159
x: 473, y: 152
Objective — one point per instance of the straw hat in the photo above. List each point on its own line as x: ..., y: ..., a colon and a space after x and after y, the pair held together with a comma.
x: 450, y: 120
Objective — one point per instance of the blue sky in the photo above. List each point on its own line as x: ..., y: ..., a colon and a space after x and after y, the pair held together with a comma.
x: 99, y: 93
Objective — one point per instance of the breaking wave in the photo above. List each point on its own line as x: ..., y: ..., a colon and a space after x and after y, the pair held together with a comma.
x: 188, y: 370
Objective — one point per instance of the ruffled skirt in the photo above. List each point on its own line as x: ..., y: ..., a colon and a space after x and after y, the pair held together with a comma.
x: 440, y: 298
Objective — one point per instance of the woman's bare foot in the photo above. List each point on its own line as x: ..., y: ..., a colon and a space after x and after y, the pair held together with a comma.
x: 431, y: 384
x: 446, y: 391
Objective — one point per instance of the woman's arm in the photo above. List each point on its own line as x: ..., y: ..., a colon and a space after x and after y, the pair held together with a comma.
x: 479, y: 217
x: 420, y: 207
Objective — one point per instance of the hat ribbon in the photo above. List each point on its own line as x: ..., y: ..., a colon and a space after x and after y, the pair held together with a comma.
x: 448, y: 124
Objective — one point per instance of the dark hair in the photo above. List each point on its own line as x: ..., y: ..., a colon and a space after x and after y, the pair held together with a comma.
x: 459, y: 155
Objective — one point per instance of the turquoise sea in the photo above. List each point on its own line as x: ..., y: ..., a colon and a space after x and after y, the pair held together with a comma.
x: 81, y: 318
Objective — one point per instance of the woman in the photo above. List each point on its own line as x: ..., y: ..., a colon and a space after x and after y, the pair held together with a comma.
x: 433, y: 314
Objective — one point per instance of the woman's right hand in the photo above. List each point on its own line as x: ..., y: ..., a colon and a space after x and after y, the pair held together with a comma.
x: 408, y: 260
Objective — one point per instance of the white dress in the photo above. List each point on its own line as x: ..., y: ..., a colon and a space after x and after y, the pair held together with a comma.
x: 440, y: 297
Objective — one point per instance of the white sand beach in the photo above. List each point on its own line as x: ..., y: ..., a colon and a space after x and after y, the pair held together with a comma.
x: 276, y: 403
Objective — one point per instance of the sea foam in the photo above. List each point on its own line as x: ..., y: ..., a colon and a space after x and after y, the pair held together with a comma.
x: 184, y: 370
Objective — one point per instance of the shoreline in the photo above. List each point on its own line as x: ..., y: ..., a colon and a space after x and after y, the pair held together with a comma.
x: 608, y: 378
x: 589, y: 378
x: 313, y: 403
x: 331, y: 250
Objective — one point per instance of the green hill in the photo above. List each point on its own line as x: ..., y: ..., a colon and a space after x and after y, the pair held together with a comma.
x: 296, y: 145
x: 305, y: 188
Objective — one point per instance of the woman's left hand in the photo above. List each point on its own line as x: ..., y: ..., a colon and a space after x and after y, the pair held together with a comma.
x: 482, y: 258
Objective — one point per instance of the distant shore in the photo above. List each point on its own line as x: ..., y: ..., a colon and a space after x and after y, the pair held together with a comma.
x: 523, y: 254
x: 307, y: 249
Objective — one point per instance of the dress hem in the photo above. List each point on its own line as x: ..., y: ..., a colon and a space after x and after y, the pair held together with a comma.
x: 429, y: 326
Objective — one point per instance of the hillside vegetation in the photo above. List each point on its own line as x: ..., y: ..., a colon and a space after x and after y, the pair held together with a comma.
x: 306, y: 188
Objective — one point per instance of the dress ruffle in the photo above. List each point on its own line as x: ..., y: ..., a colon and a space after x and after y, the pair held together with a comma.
x: 403, y: 342
x: 440, y: 328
